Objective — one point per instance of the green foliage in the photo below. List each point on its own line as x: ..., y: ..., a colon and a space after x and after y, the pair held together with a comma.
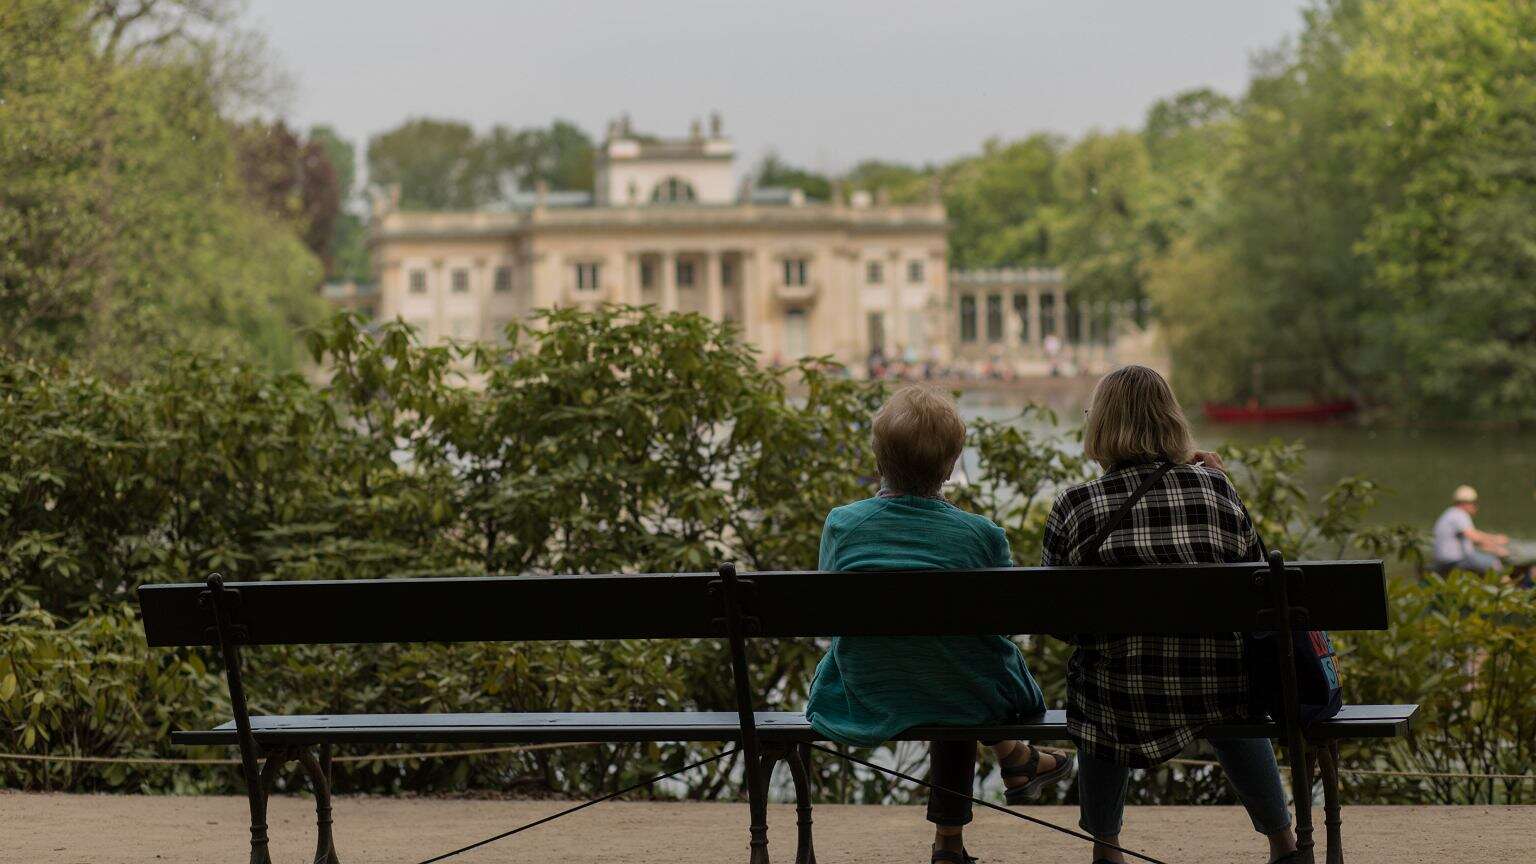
x: 560, y: 156
x: 444, y: 165
x: 123, y: 221
x: 436, y: 164
x: 997, y: 204
x: 1372, y: 210
x: 616, y: 440
x: 1464, y: 648
x: 774, y: 172
x: 293, y: 180
x: 1096, y: 223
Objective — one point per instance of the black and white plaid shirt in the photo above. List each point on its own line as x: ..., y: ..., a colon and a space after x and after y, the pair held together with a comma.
x: 1138, y: 700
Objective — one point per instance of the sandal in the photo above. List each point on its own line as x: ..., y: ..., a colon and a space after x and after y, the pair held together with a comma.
x: 1030, y: 790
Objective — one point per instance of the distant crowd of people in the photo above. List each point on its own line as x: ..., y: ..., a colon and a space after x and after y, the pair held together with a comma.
x: 906, y: 364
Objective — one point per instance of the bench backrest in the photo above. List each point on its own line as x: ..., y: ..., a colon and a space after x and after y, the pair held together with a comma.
x: 1338, y: 595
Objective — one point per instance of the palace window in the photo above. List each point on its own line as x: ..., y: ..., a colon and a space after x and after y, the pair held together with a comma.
x: 460, y: 280
x: 673, y: 190
x: 796, y: 333
x: 1047, y: 315
x: 1074, y: 320
x: 794, y: 271
x: 874, y: 273
x: 876, y: 324
x: 727, y: 272
x: 914, y: 271
x: 994, y: 317
x: 503, y: 279
x: 589, y: 276
x: 418, y: 281
x: 1021, y: 309
x: 967, y: 318
x: 647, y: 274
x: 684, y: 274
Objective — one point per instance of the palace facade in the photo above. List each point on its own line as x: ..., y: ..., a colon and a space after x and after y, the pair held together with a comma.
x: 856, y: 277
x: 668, y: 225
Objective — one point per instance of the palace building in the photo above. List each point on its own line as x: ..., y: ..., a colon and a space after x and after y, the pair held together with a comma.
x: 669, y: 224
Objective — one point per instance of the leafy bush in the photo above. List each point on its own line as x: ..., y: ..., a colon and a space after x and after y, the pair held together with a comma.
x: 616, y: 440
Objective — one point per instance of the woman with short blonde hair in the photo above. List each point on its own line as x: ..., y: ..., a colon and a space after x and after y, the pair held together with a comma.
x: 869, y: 689
x: 1134, y: 417
x: 1135, y: 702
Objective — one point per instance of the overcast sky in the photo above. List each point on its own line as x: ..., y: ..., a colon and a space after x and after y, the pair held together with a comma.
x: 826, y: 83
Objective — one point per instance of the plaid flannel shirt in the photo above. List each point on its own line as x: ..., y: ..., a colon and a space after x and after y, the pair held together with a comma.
x: 1138, y: 700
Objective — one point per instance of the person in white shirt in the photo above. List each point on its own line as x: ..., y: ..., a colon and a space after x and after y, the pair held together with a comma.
x: 1459, y: 545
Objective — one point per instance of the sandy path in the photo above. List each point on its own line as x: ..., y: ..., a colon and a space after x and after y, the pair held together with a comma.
x: 71, y: 829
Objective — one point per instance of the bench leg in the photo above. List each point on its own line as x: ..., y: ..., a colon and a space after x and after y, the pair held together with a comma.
x: 1328, y: 764
x: 319, y: 773
x: 260, y: 789
x: 1301, y: 792
x: 758, y: 802
x: 800, y: 770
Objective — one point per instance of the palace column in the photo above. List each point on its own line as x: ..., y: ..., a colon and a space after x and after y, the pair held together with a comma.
x: 669, y: 282
x: 896, y: 330
x: 749, y: 290
x: 1036, y: 326
x: 1013, y: 337
x: 714, y: 290
x: 629, y: 289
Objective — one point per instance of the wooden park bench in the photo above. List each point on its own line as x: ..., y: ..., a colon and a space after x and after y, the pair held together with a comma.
x: 1336, y: 596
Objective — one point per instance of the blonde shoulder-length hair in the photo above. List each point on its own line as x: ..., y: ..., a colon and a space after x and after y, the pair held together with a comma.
x: 1133, y: 417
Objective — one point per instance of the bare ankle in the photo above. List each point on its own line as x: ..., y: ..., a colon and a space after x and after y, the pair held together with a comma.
x: 948, y: 837
x: 1104, y: 850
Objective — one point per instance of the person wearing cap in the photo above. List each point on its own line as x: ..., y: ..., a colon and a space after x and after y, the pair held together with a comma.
x: 1460, y: 546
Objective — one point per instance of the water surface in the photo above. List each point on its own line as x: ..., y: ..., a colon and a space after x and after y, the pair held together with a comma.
x: 1418, y: 467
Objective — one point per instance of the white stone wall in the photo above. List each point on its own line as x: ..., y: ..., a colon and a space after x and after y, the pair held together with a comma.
x: 712, y: 179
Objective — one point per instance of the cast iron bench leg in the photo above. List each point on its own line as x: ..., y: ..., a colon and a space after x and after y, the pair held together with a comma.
x: 800, y: 770
x: 1328, y: 763
x: 1304, y: 841
x: 758, y: 801
x: 260, y: 788
x: 319, y: 780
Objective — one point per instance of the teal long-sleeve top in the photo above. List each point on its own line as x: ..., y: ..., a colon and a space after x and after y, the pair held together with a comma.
x: 868, y: 689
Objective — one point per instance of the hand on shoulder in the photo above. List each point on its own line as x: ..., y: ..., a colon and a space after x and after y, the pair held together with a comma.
x: 1208, y: 459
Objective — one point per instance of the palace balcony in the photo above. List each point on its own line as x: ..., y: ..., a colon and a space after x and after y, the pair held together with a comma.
x: 805, y: 293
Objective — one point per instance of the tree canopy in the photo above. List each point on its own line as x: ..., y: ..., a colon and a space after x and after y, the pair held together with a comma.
x: 124, y: 218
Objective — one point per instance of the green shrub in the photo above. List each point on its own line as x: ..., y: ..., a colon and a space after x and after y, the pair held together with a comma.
x: 617, y: 440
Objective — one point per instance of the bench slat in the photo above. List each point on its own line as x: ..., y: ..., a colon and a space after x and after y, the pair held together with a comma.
x: 1354, y: 721
x: 1195, y: 598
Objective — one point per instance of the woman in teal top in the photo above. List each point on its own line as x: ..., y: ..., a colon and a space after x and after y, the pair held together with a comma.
x: 870, y: 688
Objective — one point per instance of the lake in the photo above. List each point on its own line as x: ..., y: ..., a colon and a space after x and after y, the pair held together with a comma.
x: 1418, y: 467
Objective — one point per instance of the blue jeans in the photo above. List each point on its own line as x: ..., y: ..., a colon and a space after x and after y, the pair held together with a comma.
x: 1250, y: 766
x: 1475, y: 562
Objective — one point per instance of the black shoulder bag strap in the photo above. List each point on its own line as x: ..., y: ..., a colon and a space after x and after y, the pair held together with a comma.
x: 1125, y: 509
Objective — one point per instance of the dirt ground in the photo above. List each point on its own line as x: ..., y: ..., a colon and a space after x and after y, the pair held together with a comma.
x: 102, y: 829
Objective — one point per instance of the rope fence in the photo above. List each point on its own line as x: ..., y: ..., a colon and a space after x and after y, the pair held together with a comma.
x: 492, y: 751
x: 372, y: 757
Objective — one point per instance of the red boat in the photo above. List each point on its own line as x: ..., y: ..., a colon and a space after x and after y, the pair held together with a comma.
x: 1254, y: 413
